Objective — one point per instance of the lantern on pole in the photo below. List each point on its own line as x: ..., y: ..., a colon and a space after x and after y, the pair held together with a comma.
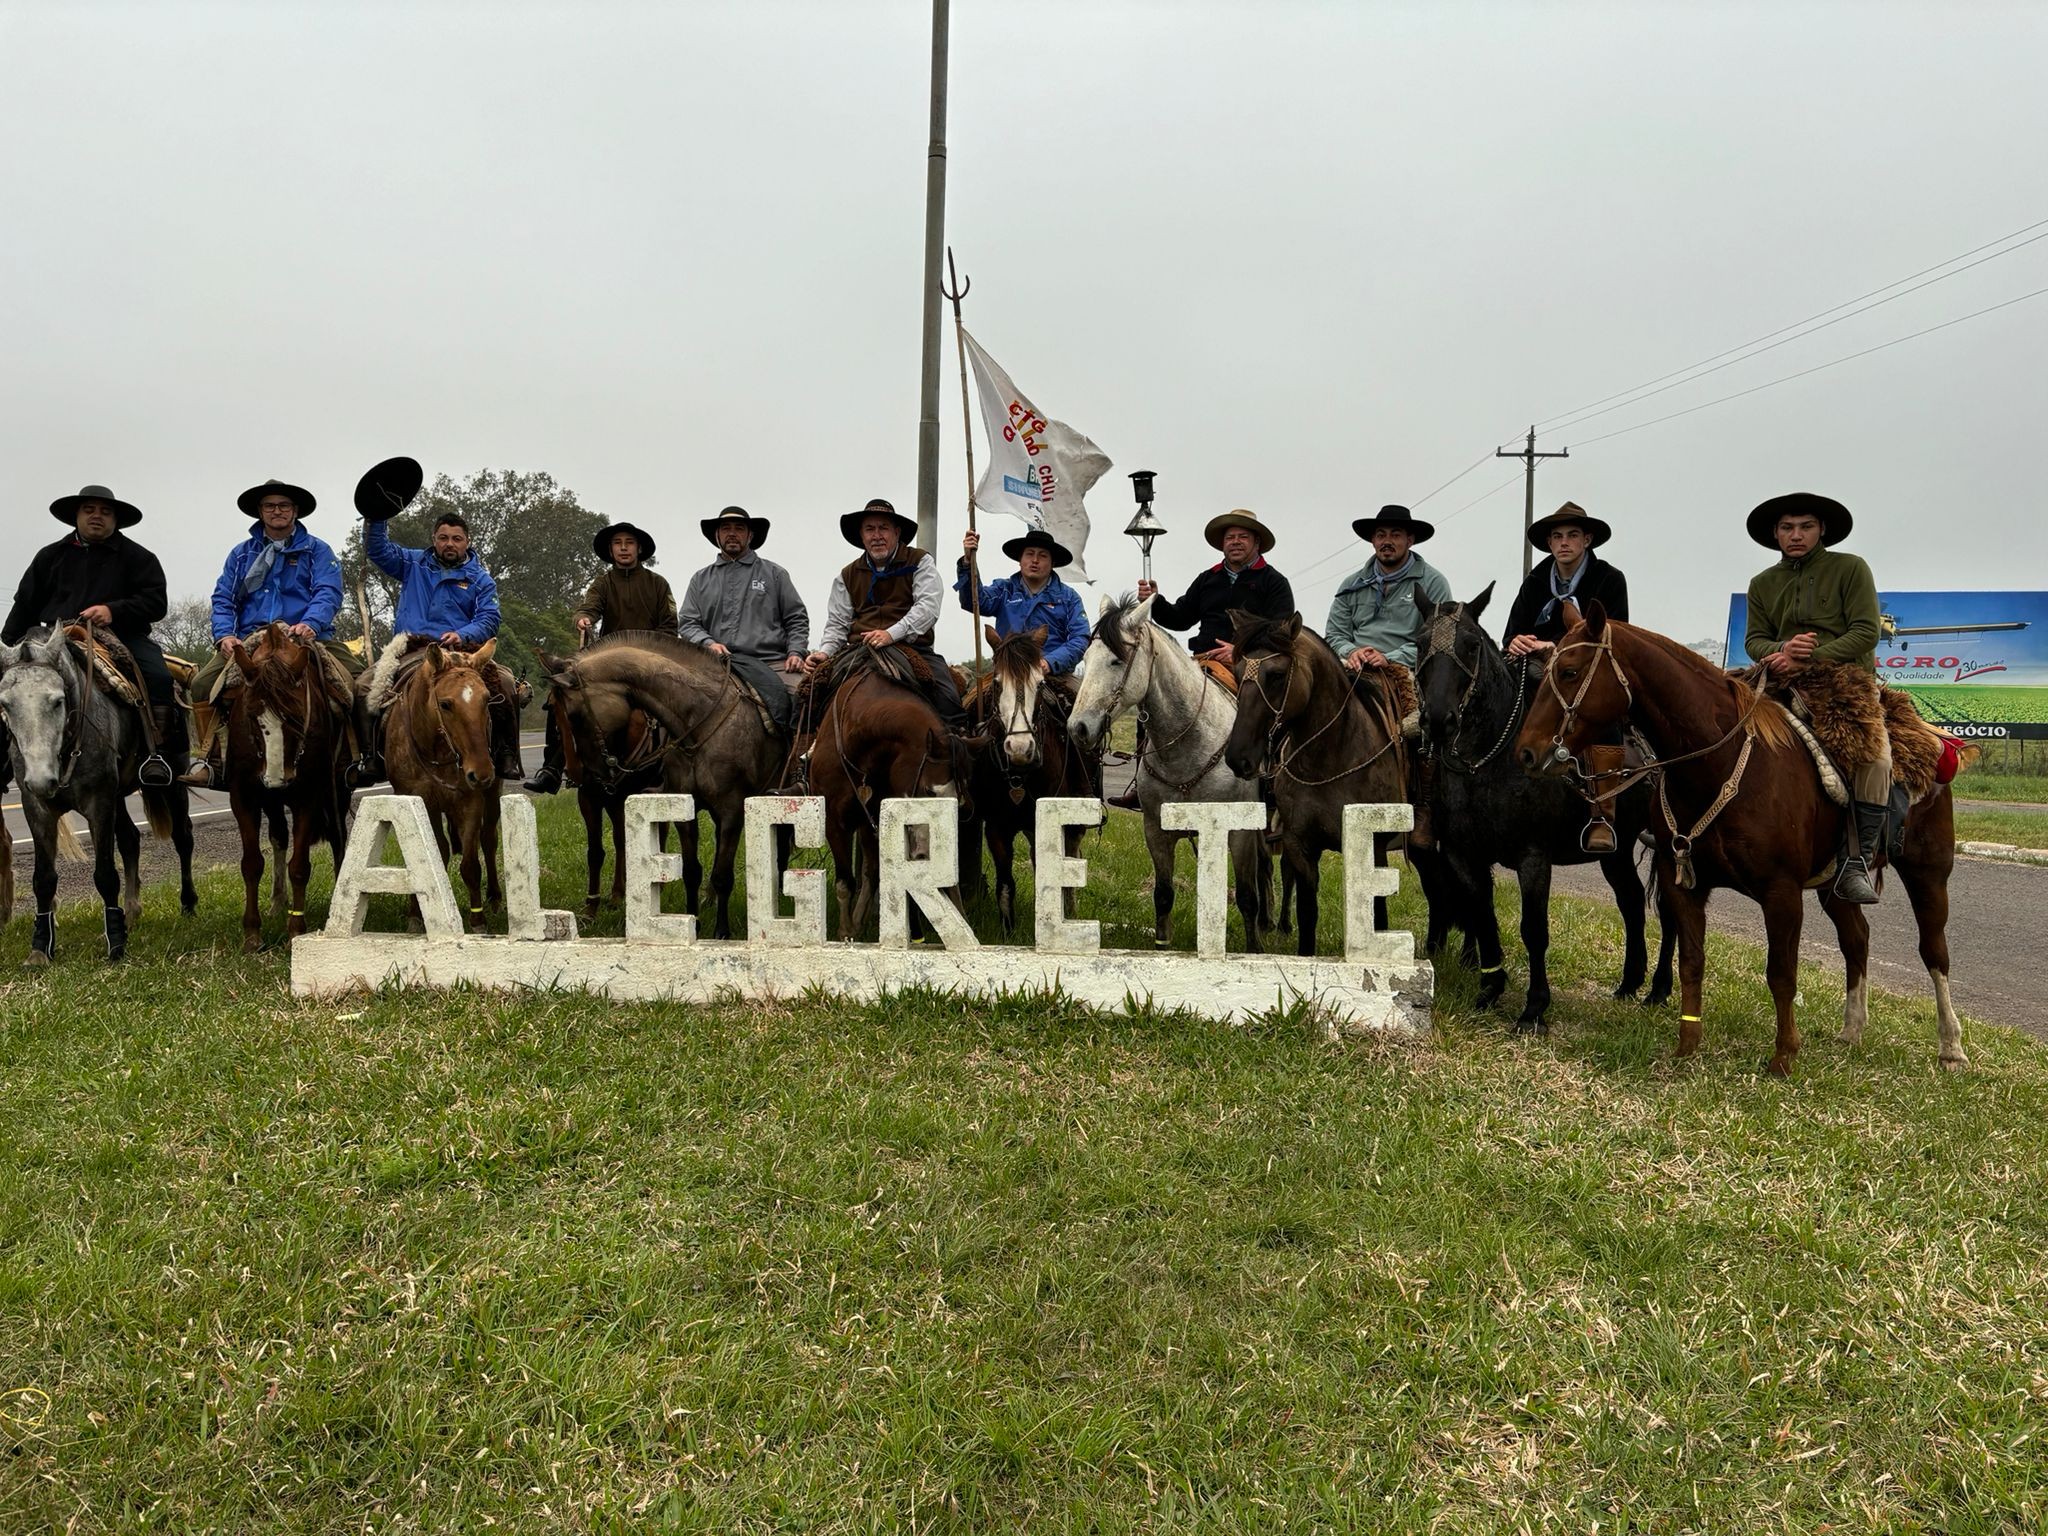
x: 1144, y: 527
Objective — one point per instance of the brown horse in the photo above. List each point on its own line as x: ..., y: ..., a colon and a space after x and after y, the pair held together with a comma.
x: 1756, y: 818
x: 287, y: 749
x: 1299, y: 719
x: 879, y: 740
x: 598, y: 804
x: 437, y: 745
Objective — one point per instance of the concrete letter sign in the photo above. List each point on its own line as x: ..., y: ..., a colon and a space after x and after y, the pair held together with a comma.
x: 363, y: 873
x: 1212, y: 822
x: 926, y: 878
x: 805, y: 816
x: 648, y: 869
x: 1364, y: 878
x: 1054, y: 874
x: 519, y: 859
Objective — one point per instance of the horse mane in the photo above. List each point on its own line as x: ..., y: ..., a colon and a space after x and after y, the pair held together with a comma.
x: 891, y: 663
x: 1771, y: 723
x: 1113, y: 628
x: 1016, y: 658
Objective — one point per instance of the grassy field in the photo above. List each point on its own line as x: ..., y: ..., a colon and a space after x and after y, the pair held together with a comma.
x: 460, y: 1262
x: 2024, y: 829
x: 1968, y: 703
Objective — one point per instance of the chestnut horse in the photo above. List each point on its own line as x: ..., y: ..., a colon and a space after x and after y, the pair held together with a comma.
x: 437, y: 745
x: 1734, y: 775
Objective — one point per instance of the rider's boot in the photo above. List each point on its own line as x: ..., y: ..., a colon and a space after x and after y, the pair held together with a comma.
x: 505, y: 726
x: 1602, y: 763
x: 368, y: 766
x: 42, y: 942
x: 204, y: 743
x: 162, y: 766
x: 1422, y: 836
x: 117, y: 933
x: 1126, y: 799
x: 1853, y: 884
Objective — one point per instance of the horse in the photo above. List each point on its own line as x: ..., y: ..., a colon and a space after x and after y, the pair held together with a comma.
x: 598, y: 804
x: 1299, y: 719
x: 1027, y: 756
x: 6, y: 872
x: 1133, y: 665
x: 287, y: 754
x: 437, y: 745
x: 880, y: 739
x: 708, y: 738
x: 77, y: 747
x: 1488, y: 812
x: 1765, y: 828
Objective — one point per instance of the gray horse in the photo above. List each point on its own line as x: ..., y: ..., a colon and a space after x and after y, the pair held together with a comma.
x: 77, y: 748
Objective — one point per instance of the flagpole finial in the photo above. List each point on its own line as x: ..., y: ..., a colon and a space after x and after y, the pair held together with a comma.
x: 1145, y: 527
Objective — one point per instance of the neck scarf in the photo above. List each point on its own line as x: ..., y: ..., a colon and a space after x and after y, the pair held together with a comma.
x: 1383, y: 579
x: 259, y: 568
x: 1559, y: 591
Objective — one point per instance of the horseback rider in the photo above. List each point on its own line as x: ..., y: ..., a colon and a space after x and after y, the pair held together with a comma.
x: 888, y: 596
x: 746, y: 609
x: 1375, y: 622
x: 445, y: 595
x: 1241, y: 579
x: 98, y: 574
x: 625, y: 596
x: 1034, y: 596
x: 280, y: 574
x: 1819, y: 605
x: 1573, y: 574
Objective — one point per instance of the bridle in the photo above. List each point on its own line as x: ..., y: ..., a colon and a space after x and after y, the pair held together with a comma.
x: 1277, y: 750
x: 1441, y: 642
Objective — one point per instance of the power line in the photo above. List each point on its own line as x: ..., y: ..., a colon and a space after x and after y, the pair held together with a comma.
x: 1343, y: 549
x: 1795, y: 325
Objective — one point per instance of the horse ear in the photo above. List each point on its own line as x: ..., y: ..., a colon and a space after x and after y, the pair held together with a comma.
x: 10, y: 656
x: 1596, y: 619
x: 1478, y: 604
x: 1142, y: 614
x: 1107, y: 607
x: 1038, y: 634
x: 435, y: 660
x: 47, y: 649
x: 1242, y: 622
x: 990, y: 631
x: 481, y: 656
x: 1293, y: 627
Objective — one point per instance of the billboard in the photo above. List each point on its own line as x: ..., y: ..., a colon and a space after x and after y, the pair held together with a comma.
x: 1974, y: 663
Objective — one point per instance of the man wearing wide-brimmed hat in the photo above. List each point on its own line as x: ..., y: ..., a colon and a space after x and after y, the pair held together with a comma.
x: 889, y: 595
x: 625, y: 596
x: 1241, y: 579
x: 746, y: 609
x: 1819, y: 605
x: 99, y: 574
x: 1032, y: 598
x: 280, y: 574
x: 1376, y: 617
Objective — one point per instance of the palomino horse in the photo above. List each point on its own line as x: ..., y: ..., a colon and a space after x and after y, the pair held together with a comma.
x: 1300, y: 719
x: 78, y: 748
x: 880, y: 739
x: 1765, y: 828
x: 1133, y: 665
x: 1489, y: 812
x: 437, y: 745
x: 1028, y: 757
x: 287, y: 751
x: 708, y: 738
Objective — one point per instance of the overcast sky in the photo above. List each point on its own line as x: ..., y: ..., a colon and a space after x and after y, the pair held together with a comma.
x: 1305, y: 258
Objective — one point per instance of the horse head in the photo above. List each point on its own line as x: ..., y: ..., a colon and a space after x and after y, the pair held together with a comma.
x: 1268, y: 699
x: 37, y: 683
x: 282, y: 688
x: 1454, y: 658
x: 1582, y: 695
x: 1116, y: 672
x: 449, y: 691
x: 1018, y: 680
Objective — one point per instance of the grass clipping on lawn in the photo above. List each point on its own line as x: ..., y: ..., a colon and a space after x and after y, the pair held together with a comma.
x: 443, y: 1262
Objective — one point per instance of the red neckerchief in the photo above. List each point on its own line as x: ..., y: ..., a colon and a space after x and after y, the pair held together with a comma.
x: 1257, y: 565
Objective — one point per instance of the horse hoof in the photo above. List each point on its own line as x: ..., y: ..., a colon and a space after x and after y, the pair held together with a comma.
x: 36, y: 960
x: 1624, y: 994
x: 1955, y: 1063
x: 252, y: 943
x: 1654, y: 999
x: 1489, y: 996
x: 1778, y: 1066
x: 1532, y: 1026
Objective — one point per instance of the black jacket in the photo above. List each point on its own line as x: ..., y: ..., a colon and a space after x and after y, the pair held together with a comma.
x: 68, y: 576
x: 1602, y: 581
x: 1261, y: 590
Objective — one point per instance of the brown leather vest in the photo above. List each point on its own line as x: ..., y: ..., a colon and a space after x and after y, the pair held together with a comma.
x: 879, y: 602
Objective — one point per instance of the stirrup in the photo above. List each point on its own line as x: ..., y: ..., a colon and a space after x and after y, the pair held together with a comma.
x: 199, y: 776
x: 156, y: 772
x: 1596, y: 825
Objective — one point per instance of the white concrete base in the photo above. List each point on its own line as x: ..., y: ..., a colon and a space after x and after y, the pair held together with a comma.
x: 1360, y: 998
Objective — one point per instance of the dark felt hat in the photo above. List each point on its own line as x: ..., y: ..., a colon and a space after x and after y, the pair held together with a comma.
x: 387, y: 489
x: 65, y: 508
x: 736, y: 515
x: 601, y: 541
x: 1391, y: 516
x: 250, y: 499
x: 1571, y: 514
x: 1038, y: 538
x: 849, y: 525
x: 1835, y: 521
x: 1238, y: 518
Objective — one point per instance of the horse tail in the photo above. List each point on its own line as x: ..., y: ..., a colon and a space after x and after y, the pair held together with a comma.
x: 69, y: 848
x: 156, y: 805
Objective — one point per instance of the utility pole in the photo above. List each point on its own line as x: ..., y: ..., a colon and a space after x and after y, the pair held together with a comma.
x: 934, y: 251
x: 1528, y: 455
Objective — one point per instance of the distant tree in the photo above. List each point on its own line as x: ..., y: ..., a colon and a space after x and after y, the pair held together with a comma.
x: 187, y: 630
x: 534, y: 538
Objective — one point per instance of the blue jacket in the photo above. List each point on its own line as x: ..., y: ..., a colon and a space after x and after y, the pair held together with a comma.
x: 1013, y: 607
x: 434, y: 598
x: 303, y: 587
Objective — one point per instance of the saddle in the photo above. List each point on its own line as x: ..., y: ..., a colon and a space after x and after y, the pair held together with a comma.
x: 1219, y: 673
x: 112, y: 663
x: 1849, y: 717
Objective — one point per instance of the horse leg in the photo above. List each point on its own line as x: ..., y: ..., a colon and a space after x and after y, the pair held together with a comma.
x: 6, y: 873
x: 494, y: 890
x: 973, y: 879
x: 1248, y: 857
x: 1784, y: 914
x: 1619, y: 868
x: 1667, y: 941
x: 248, y: 814
x: 1069, y: 895
x: 128, y: 840
x: 1160, y: 845
x: 592, y: 811
x: 1852, y: 933
x: 300, y: 870
x: 1304, y: 867
x: 1474, y: 898
x: 1687, y: 912
x: 279, y: 858
x: 1926, y: 882
x: 727, y: 830
x: 693, y: 868
x: 868, y: 845
x: 839, y: 838
x: 467, y: 837
x: 1001, y: 853
x: 42, y: 826
x: 618, y: 820
x: 181, y: 840
x: 1534, y: 879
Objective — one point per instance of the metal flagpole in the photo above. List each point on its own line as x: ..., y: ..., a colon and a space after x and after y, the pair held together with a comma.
x: 934, y: 241
x: 956, y: 290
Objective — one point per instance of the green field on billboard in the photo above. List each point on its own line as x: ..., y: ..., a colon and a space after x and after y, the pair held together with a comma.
x: 1963, y: 703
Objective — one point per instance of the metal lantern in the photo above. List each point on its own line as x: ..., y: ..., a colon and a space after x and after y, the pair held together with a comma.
x: 1144, y: 527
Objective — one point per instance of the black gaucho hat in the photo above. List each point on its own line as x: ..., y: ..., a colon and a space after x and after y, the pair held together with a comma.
x: 1391, y: 516
x: 601, y: 541
x: 387, y: 489
x: 1038, y: 538
x: 1835, y: 521
x: 849, y: 525
x: 252, y: 498
x: 65, y: 508
x: 736, y: 515
x: 1570, y: 515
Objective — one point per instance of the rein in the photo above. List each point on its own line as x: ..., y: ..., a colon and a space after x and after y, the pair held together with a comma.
x: 1147, y: 747
x: 1277, y: 733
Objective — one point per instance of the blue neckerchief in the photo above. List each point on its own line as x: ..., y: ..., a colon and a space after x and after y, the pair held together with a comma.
x: 1381, y: 580
x: 883, y: 574
x: 1559, y: 593
x: 259, y: 568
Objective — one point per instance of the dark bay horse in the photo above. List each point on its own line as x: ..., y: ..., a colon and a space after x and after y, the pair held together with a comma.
x: 437, y: 745
x: 77, y: 747
x: 707, y: 738
x: 599, y: 804
x: 1490, y: 812
x: 1741, y: 806
x: 1299, y: 719
x: 287, y: 754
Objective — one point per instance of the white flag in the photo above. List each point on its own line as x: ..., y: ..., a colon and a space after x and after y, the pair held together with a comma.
x: 1038, y: 468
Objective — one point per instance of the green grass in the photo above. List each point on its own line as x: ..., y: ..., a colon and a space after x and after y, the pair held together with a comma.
x: 449, y: 1262
x: 1973, y: 702
x: 2024, y: 829
x: 2027, y: 789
